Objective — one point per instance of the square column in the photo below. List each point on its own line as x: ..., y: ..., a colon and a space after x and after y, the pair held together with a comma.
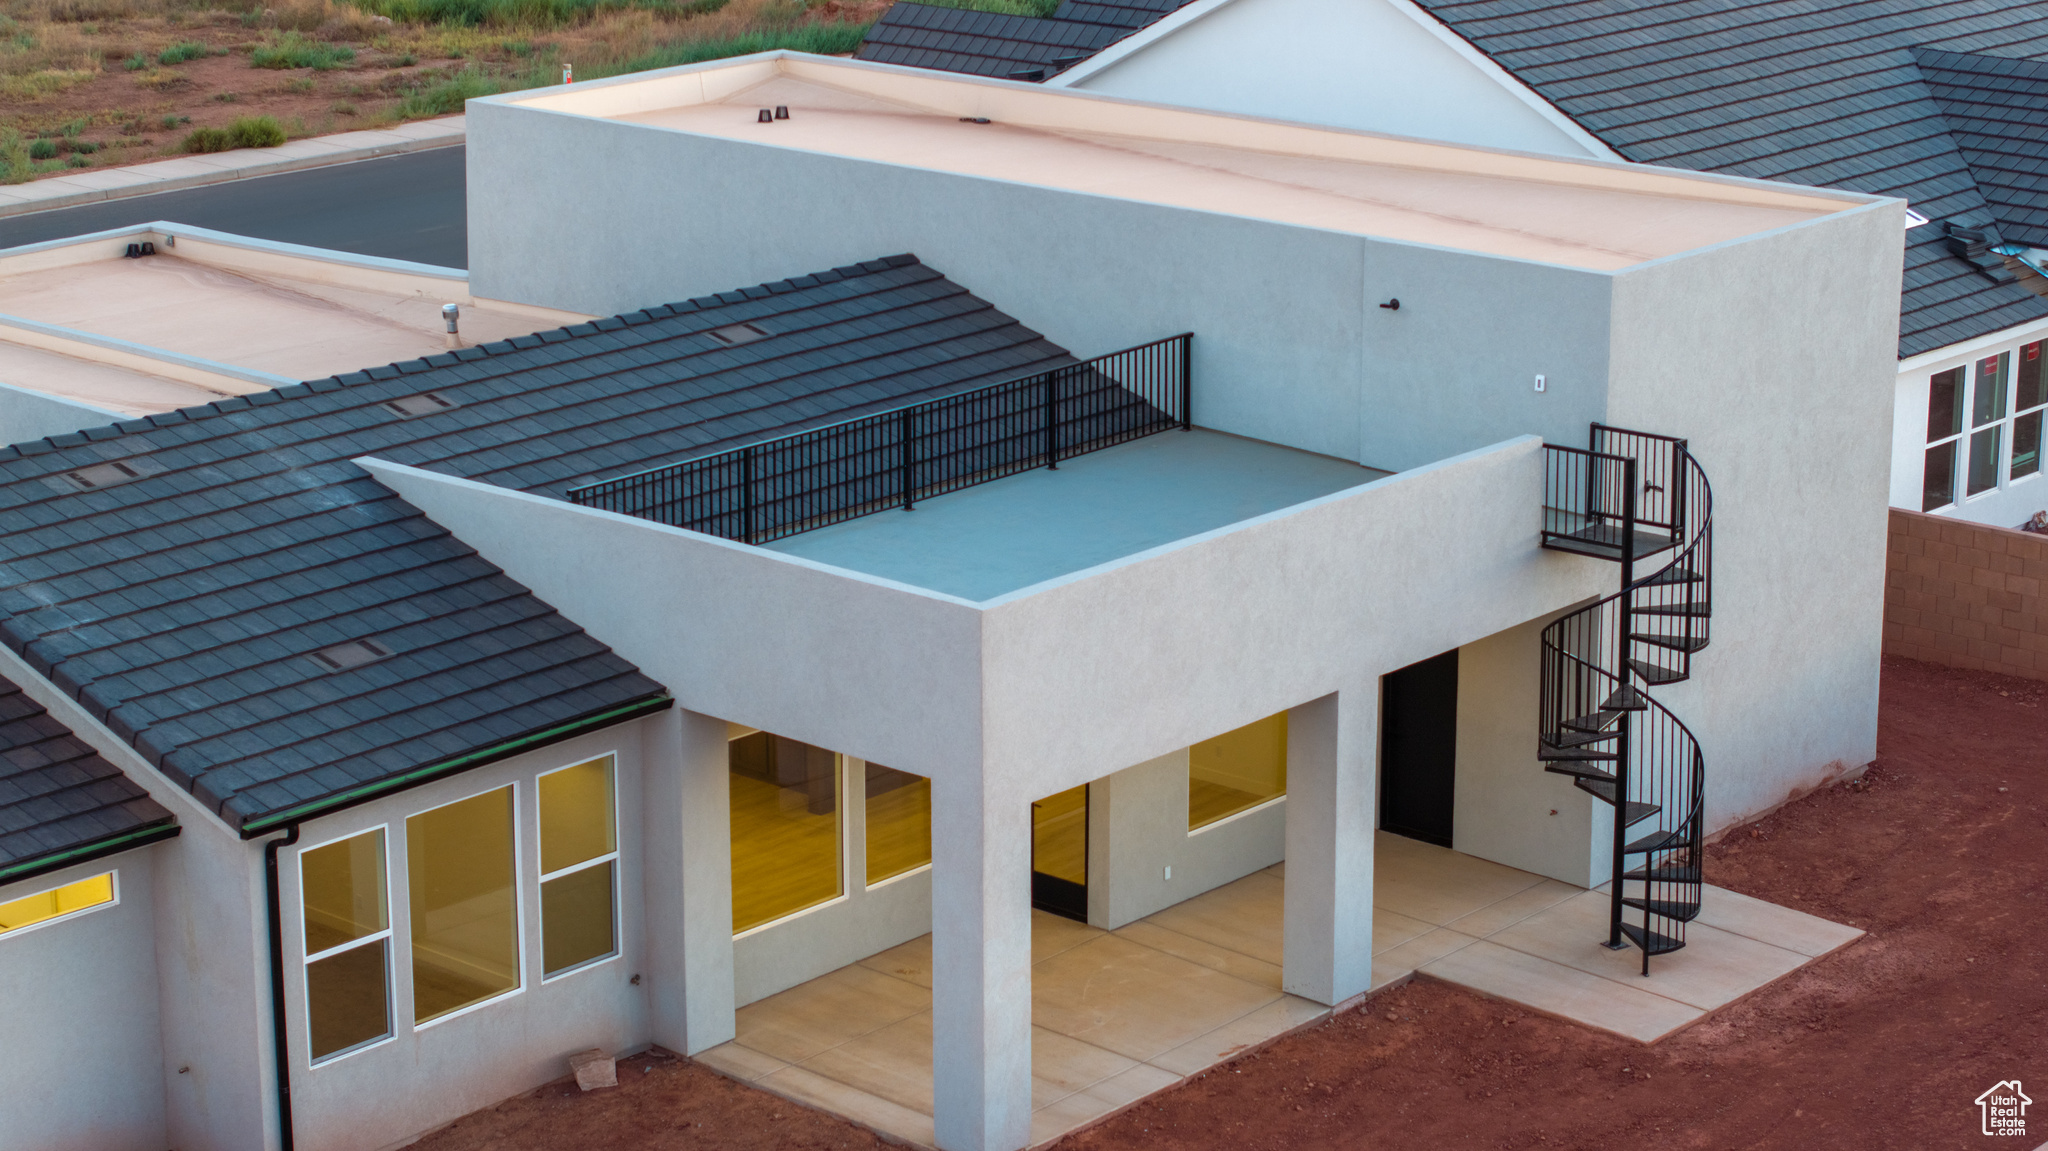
x: 1332, y: 809
x: 687, y: 837
x: 981, y: 965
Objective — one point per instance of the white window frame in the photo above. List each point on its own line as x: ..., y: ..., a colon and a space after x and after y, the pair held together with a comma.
x: 113, y: 877
x: 307, y: 959
x: 518, y: 908
x: 2005, y: 424
x: 618, y: 878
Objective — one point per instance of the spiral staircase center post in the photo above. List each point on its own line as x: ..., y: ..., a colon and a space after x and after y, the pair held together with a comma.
x: 1624, y: 628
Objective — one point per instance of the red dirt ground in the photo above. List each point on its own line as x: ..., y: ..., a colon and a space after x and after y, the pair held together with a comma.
x: 1940, y: 852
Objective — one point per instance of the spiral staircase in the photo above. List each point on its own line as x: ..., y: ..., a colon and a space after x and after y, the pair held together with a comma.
x: 1642, y: 502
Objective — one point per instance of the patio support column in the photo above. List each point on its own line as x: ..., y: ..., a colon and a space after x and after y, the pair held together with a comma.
x: 1331, y: 806
x: 981, y: 964
x: 688, y: 884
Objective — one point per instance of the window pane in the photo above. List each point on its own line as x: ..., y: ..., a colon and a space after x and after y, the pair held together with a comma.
x: 1940, y: 480
x: 899, y: 810
x: 347, y: 999
x: 576, y: 917
x: 63, y: 901
x: 1984, y: 460
x: 1989, y: 402
x: 1059, y: 835
x: 465, y: 916
x: 2026, y: 445
x: 785, y: 828
x: 576, y: 815
x: 2030, y: 392
x: 344, y: 891
x: 1944, y: 404
x: 1237, y: 770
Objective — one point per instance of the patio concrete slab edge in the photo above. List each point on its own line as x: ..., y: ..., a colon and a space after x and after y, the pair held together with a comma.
x: 92, y: 186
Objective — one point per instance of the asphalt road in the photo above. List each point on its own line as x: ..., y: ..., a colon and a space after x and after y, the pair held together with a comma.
x: 405, y: 207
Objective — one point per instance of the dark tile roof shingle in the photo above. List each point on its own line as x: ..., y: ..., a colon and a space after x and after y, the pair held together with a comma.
x: 183, y: 608
x: 58, y: 795
x: 1928, y: 101
x: 1005, y: 46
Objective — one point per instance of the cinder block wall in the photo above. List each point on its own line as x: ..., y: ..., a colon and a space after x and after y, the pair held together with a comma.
x: 1966, y: 595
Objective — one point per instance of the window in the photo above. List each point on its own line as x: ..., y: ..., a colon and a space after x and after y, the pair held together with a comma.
x: 899, y: 819
x: 2029, y: 395
x: 348, y: 943
x: 2005, y: 398
x: 45, y: 906
x: 579, y: 856
x: 461, y: 873
x: 1944, y: 422
x: 785, y: 828
x: 1237, y: 771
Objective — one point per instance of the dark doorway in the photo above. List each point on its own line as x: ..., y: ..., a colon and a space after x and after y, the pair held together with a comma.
x: 1059, y: 853
x: 1419, y: 749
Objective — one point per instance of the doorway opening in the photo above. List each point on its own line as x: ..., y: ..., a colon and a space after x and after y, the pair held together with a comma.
x: 1419, y: 749
x: 1059, y: 854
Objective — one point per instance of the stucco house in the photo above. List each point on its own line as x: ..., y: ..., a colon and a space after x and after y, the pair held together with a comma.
x: 1945, y: 106
x: 1036, y: 512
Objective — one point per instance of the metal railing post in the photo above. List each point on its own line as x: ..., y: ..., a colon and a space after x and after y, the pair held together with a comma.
x: 748, y: 521
x: 1052, y: 421
x: 909, y: 459
x: 1187, y: 382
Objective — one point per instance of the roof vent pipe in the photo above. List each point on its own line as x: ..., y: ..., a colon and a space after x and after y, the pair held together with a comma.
x: 451, y: 315
x: 766, y: 117
x: 782, y: 111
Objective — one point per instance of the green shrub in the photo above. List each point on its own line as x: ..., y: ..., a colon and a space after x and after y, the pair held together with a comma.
x: 405, y: 61
x: 15, y: 166
x: 135, y: 63
x: 42, y: 150
x: 180, y: 52
x: 296, y: 50
x: 84, y: 147
x: 170, y: 122
x: 444, y: 97
x: 299, y: 84
x: 206, y: 140
x: 255, y: 132
x: 76, y: 161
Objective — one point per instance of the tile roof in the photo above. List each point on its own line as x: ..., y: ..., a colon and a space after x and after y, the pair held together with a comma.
x: 1009, y: 47
x: 1997, y: 112
x: 184, y: 607
x: 1809, y: 91
x: 57, y: 794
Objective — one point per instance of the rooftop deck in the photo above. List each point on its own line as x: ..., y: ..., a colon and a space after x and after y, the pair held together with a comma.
x: 996, y: 538
x: 1579, y: 214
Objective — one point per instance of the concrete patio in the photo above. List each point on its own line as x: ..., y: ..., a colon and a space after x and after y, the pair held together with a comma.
x: 1119, y: 1015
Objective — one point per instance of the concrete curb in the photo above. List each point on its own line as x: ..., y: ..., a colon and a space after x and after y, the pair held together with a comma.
x: 92, y: 187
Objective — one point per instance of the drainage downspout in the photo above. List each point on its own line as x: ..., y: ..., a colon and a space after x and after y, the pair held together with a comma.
x: 280, y: 1051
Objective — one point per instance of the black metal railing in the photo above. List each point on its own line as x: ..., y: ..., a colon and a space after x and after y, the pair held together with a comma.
x: 893, y: 459
x: 1633, y: 497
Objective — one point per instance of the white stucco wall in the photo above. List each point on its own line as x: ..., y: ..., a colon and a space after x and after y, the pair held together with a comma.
x: 1379, y: 65
x: 2013, y: 501
x: 31, y: 415
x: 81, y: 1055
x: 1290, y: 344
x: 1138, y: 829
x: 1774, y: 358
x: 431, y: 1074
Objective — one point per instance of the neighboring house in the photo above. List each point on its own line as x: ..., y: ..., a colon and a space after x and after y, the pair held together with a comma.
x: 1945, y: 106
x: 580, y: 688
x: 1000, y: 45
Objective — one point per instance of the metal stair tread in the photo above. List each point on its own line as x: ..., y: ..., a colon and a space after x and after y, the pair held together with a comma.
x: 1682, y: 910
x: 1578, y: 737
x: 1655, y: 841
x: 1656, y: 674
x: 1579, y: 771
x: 1686, y: 644
x: 1653, y: 942
x: 1625, y: 698
x: 1594, y: 721
x: 1695, y: 610
x: 1665, y: 873
x: 1633, y: 812
x: 1549, y: 754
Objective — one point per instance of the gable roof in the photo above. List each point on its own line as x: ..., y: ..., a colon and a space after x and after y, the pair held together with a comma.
x: 183, y: 602
x: 1826, y: 94
x: 59, y: 800
x: 1010, y: 47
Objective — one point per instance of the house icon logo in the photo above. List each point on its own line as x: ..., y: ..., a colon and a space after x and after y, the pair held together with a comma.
x: 2005, y: 1109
